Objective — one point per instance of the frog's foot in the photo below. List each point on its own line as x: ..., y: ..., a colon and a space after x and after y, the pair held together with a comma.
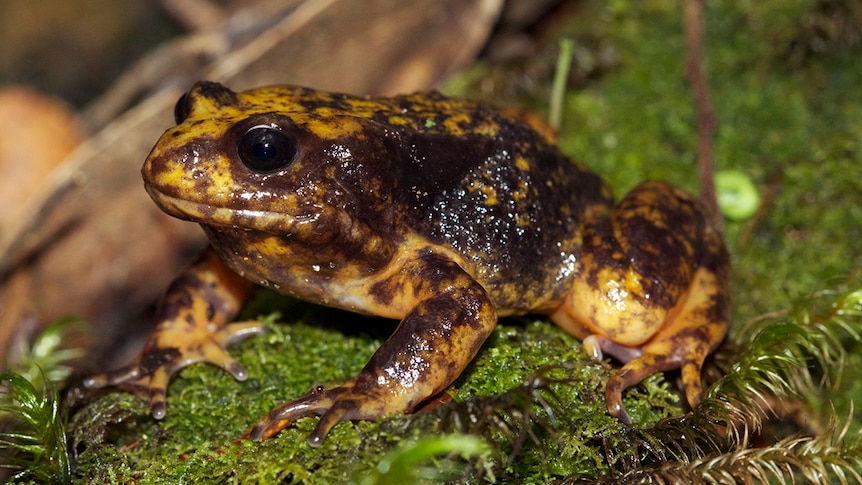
x: 644, y: 366
x: 194, y: 326
x: 342, y: 403
x: 638, y: 367
x: 168, y: 351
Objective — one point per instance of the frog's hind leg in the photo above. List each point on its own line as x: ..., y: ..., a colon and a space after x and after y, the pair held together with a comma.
x: 683, y: 343
x: 698, y: 320
x: 651, y: 291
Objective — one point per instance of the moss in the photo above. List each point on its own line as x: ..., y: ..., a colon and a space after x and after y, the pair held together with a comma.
x: 208, y: 411
x: 792, y: 127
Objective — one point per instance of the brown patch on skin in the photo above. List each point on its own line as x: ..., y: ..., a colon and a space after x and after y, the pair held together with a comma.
x: 384, y: 292
x: 158, y: 357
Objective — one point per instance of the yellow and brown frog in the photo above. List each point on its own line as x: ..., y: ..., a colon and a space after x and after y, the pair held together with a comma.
x: 443, y: 213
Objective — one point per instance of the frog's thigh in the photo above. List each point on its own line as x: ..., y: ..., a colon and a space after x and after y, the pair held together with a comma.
x: 429, y: 349
x: 651, y: 291
x: 636, y: 266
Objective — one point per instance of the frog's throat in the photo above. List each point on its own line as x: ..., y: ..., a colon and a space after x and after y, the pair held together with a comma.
x: 267, y: 221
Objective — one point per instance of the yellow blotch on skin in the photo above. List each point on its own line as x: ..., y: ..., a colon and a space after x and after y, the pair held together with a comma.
x: 333, y: 128
x: 453, y: 124
x: 398, y: 121
x: 173, y: 177
x: 486, y: 129
x: 326, y: 112
x: 191, y: 130
x: 221, y: 181
x: 490, y: 195
x: 364, y: 107
x: 487, y: 191
x: 521, y: 192
x: 204, y: 106
x: 614, y: 291
x: 632, y: 283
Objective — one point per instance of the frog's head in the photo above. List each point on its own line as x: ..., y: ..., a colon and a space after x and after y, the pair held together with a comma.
x: 272, y: 159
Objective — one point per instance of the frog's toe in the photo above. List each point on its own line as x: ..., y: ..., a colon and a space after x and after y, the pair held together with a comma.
x: 614, y: 398
x: 216, y: 353
x: 692, y: 382
x: 314, y: 403
x: 236, y: 331
x: 597, y: 346
x: 634, y: 372
x: 158, y: 391
x: 152, y: 384
x: 128, y: 374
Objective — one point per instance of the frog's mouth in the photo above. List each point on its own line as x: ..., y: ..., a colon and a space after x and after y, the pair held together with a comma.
x: 237, y: 218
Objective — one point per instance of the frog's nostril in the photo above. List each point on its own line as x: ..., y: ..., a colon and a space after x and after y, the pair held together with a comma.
x: 265, y: 149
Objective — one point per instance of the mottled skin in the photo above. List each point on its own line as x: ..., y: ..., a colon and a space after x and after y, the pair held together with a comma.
x: 440, y: 212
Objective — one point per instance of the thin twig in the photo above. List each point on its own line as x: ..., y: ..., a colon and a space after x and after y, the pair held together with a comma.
x: 706, y: 121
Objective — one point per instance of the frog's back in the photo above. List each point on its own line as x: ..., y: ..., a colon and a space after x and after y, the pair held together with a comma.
x: 489, y: 185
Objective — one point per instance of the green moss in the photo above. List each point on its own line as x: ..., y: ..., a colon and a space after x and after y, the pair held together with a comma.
x: 208, y: 411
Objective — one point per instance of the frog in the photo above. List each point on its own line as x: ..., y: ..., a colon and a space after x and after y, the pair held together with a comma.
x: 443, y: 213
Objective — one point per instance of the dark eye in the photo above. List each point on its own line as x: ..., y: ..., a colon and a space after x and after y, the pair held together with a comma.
x: 182, y: 108
x: 264, y: 149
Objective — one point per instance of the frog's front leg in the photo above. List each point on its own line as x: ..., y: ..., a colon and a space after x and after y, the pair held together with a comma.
x: 651, y: 290
x: 195, y: 325
x: 450, y: 319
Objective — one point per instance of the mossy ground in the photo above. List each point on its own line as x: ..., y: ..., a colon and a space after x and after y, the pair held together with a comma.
x: 197, y: 441
x: 792, y: 122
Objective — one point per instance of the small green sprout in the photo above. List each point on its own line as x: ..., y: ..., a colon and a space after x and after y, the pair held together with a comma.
x: 561, y: 77
x: 737, y: 196
x: 404, y: 465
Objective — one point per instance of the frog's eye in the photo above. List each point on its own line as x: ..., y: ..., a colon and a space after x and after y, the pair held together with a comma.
x: 182, y: 108
x: 264, y: 149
